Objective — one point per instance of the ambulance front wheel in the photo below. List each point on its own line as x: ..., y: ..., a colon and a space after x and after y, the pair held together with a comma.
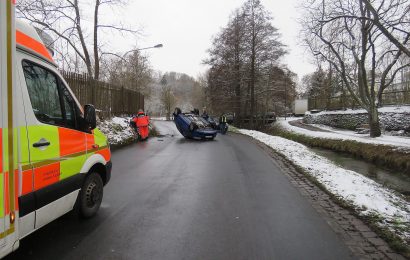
x: 91, y: 195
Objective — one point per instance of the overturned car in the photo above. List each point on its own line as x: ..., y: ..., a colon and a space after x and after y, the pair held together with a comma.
x: 191, y: 125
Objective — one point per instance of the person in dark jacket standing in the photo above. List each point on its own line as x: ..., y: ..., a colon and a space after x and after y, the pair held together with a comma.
x: 222, y: 124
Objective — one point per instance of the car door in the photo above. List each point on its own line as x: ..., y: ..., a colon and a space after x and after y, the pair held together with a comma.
x: 56, y: 145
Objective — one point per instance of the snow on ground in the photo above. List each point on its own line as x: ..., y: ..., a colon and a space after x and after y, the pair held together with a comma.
x: 366, y: 196
x: 160, y: 118
x: 386, y: 109
x: 117, y: 130
x: 340, y: 134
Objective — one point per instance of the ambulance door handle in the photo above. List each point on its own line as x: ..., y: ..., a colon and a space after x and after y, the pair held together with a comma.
x: 43, y: 142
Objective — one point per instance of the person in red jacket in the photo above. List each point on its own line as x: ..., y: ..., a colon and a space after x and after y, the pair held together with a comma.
x: 141, y: 122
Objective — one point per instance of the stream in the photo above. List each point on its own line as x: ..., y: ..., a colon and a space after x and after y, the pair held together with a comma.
x: 394, y: 180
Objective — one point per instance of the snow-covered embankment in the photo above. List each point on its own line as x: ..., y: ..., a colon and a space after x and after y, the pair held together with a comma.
x: 118, y: 131
x: 366, y: 196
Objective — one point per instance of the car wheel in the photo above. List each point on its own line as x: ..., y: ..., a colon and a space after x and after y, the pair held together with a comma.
x: 91, y: 195
x: 192, y: 126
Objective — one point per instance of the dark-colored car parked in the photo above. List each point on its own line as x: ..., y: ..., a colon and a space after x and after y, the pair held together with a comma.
x: 193, y: 126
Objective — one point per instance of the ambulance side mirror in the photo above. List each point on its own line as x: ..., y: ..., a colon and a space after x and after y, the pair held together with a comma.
x: 90, y: 117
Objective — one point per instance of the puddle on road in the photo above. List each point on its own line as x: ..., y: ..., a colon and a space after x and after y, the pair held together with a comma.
x: 391, y: 179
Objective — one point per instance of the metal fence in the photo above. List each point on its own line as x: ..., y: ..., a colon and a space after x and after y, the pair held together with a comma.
x: 400, y: 97
x: 108, y: 99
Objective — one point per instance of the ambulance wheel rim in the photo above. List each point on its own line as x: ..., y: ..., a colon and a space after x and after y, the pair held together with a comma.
x: 91, y: 195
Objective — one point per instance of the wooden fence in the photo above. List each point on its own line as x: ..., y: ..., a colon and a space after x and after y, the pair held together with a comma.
x: 108, y: 99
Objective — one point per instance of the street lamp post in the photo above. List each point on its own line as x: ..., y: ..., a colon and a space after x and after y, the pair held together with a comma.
x: 125, y: 54
x: 152, y: 47
x: 155, y: 46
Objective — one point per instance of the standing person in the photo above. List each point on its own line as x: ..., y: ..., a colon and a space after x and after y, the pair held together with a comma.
x: 141, y: 122
x: 222, y: 124
x: 205, y: 114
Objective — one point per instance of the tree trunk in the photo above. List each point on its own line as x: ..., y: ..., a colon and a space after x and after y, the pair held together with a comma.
x: 374, y: 122
x: 380, y: 99
x: 237, y: 109
x: 252, y: 72
x: 252, y: 85
x: 87, y: 59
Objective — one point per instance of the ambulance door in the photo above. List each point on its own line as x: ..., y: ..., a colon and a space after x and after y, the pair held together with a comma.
x: 43, y: 115
x: 57, y: 148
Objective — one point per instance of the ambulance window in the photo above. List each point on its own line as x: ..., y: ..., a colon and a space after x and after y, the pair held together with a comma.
x: 42, y: 86
x: 69, y: 108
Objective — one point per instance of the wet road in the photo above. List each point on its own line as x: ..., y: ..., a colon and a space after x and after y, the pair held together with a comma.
x: 171, y: 198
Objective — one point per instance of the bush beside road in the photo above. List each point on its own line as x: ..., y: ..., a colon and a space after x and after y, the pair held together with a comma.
x: 119, y: 132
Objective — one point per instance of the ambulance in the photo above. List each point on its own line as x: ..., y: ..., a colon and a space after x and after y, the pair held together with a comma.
x: 53, y: 159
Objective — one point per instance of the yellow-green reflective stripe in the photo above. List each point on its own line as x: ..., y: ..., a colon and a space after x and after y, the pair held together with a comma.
x: 71, y: 166
x: 40, y: 164
x: 7, y: 232
x: 99, y: 138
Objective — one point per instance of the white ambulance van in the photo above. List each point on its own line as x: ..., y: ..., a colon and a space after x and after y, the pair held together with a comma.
x: 52, y: 156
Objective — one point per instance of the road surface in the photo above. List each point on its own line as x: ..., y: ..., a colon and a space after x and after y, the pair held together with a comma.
x: 171, y: 198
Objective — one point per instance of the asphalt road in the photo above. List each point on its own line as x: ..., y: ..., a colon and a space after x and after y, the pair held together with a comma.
x: 171, y: 198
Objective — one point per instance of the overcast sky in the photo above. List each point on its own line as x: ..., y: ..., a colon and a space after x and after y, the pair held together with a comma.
x: 186, y: 28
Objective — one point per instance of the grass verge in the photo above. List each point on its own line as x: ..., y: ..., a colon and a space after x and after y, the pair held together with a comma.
x: 373, y: 221
x: 381, y: 155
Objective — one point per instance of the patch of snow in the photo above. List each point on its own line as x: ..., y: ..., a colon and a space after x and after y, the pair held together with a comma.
x: 387, y: 109
x: 340, y: 134
x: 367, y: 196
x: 122, y: 121
x: 117, y: 130
x: 160, y: 118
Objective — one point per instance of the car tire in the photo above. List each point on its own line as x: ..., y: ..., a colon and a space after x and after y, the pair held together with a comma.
x: 192, y: 126
x: 91, y: 195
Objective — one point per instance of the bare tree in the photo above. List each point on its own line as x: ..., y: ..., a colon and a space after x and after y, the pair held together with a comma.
x: 64, y: 20
x: 394, y: 27
x: 240, y: 58
x: 167, y: 97
x: 133, y: 70
x: 343, y: 34
x: 263, y: 44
